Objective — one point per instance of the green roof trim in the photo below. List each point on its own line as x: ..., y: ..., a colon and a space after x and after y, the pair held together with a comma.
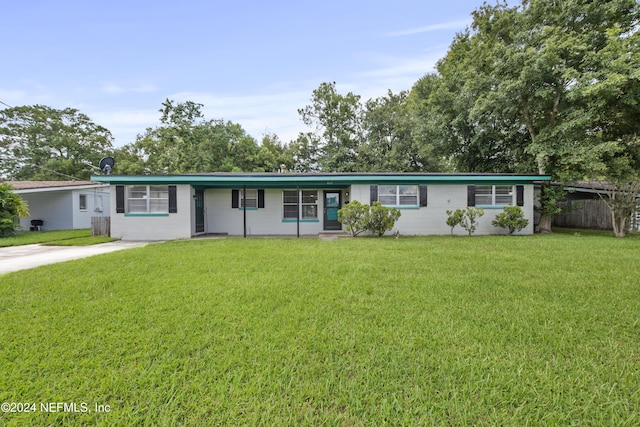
x: 317, y: 180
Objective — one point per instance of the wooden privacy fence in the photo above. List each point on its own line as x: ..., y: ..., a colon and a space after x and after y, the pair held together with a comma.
x: 588, y: 213
x: 101, y: 226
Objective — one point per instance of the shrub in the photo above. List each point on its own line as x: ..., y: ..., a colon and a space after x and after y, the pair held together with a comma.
x: 382, y: 218
x: 354, y: 217
x: 455, y: 218
x: 512, y: 218
x: 377, y: 219
x: 12, y: 206
x: 470, y: 219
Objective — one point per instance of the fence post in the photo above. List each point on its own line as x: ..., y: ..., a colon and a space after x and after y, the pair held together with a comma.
x: 101, y: 226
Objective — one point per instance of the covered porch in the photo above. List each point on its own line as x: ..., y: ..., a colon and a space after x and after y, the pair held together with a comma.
x: 267, y: 208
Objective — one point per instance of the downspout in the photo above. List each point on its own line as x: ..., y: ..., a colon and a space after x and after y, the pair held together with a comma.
x: 244, y: 210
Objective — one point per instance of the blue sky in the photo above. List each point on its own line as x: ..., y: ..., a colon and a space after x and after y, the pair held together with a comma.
x: 252, y: 62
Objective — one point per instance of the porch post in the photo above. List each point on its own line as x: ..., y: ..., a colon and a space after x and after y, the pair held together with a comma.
x: 298, y: 209
x: 244, y: 210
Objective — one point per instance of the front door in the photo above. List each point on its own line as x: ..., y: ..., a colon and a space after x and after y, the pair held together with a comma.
x: 199, y: 211
x: 332, y: 203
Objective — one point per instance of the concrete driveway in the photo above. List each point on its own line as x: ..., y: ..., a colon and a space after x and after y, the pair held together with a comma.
x: 16, y: 258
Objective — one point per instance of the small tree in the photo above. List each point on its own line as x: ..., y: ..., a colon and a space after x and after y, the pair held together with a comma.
x: 622, y: 199
x: 551, y: 198
x: 454, y: 218
x: 355, y: 217
x: 12, y: 206
x: 470, y: 219
x: 382, y: 218
x: 512, y: 218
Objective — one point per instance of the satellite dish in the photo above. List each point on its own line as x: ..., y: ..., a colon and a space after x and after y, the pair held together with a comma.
x: 106, y: 164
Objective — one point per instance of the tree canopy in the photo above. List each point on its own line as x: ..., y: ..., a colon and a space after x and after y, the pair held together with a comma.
x: 550, y: 87
x: 186, y: 142
x: 42, y: 143
x: 349, y: 136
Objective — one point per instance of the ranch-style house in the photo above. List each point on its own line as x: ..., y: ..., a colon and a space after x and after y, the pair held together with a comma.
x: 162, y: 207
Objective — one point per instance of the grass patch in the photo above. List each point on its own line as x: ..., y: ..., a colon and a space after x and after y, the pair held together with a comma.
x: 81, y: 241
x: 33, y: 237
x: 485, y: 330
x: 55, y: 238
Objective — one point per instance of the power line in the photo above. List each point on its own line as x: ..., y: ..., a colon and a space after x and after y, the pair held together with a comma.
x: 4, y: 103
x: 58, y: 173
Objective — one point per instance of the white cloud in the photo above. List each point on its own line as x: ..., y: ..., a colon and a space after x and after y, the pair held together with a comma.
x: 459, y: 24
x: 116, y: 89
x: 125, y: 125
x: 396, y: 73
x: 274, y: 112
x: 17, y: 98
x: 275, y: 109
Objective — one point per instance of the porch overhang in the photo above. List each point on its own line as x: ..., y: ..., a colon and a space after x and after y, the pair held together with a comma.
x: 316, y: 180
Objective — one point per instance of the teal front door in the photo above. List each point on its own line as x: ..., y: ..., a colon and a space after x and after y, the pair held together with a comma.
x: 332, y: 203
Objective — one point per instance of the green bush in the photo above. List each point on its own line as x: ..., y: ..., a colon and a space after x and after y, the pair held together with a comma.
x: 467, y: 218
x: 12, y: 206
x: 512, y: 218
x: 354, y: 217
x: 470, y: 219
x: 376, y: 218
x: 455, y: 218
x: 382, y: 218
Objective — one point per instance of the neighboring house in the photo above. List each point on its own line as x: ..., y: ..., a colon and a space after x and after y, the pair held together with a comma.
x: 63, y: 205
x: 159, y: 207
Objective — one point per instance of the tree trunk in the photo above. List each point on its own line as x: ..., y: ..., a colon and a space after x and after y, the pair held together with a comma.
x: 619, y: 225
x: 545, y: 224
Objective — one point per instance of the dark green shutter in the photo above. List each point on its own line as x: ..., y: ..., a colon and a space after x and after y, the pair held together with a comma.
x: 119, y: 198
x: 423, y: 195
x: 260, y: 199
x: 374, y: 194
x: 520, y: 195
x: 173, y: 199
x: 235, y: 197
x: 471, y: 195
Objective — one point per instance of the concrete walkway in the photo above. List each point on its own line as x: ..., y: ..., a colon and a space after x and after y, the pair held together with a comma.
x: 17, y: 258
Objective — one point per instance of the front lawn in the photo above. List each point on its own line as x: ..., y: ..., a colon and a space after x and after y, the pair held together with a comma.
x: 80, y: 237
x: 538, y: 330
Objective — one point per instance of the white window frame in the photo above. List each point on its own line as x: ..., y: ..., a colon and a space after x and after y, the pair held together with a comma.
x: 144, y: 203
x: 82, y: 202
x: 251, y: 199
x: 308, y: 200
x: 398, y: 197
x: 495, y: 198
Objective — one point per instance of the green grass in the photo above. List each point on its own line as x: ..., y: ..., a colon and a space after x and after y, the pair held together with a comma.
x: 54, y: 238
x: 578, y: 232
x: 81, y: 241
x: 539, y: 330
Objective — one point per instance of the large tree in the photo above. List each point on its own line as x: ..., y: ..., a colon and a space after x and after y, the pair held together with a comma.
x: 547, y: 86
x: 336, y: 120
x: 391, y: 143
x: 273, y: 155
x: 42, y: 143
x: 186, y: 142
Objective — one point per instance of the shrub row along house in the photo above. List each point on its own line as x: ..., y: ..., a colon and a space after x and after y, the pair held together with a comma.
x: 161, y: 207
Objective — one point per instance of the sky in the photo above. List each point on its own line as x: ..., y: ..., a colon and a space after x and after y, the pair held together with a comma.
x: 254, y: 63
